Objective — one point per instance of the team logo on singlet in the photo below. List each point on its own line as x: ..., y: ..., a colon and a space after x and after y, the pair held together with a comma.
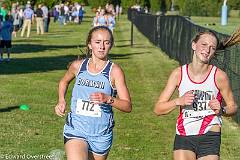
x: 199, y: 107
x: 91, y: 83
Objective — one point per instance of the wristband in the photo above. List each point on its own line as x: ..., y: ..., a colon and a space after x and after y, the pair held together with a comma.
x: 110, y: 100
x: 222, y: 111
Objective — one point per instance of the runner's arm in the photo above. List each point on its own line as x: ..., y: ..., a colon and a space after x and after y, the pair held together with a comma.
x: 222, y: 82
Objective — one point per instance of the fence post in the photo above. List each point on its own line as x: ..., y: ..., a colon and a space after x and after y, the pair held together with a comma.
x: 132, y: 19
x: 158, y: 32
x: 131, y: 34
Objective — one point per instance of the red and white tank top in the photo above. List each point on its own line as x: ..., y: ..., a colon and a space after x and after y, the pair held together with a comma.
x: 198, y: 118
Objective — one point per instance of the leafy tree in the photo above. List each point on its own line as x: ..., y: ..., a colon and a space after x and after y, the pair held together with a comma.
x: 202, y: 8
x: 180, y: 4
x: 128, y: 3
x: 147, y: 4
x: 96, y: 4
x: 234, y: 4
x: 155, y: 5
x: 213, y: 7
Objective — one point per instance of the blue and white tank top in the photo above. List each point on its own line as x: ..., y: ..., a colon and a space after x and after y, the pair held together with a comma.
x: 102, y: 21
x: 92, y: 119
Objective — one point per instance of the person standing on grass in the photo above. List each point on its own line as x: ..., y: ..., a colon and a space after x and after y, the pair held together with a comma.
x: 6, y: 34
x: 80, y: 14
x: 95, y: 22
x: 28, y: 15
x: 201, y: 88
x: 45, y: 18
x: 3, y: 11
x: 39, y: 19
x: 88, y: 131
x: 15, y: 16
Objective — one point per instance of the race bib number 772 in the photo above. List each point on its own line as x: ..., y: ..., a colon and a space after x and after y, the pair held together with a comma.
x: 87, y: 108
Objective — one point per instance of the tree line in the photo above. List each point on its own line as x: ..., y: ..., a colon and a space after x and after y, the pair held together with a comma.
x: 185, y: 7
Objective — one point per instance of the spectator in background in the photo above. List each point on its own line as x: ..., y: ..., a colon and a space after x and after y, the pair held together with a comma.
x: 39, y: 19
x: 62, y: 17
x: 70, y: 10
x: 49, y: 19
x: 21, y: 18
x: 16, y: 18
x: 117, y: 10
x: 28, y: 16
x: 55, y: 13
x: 13, y: 8
x: 6, y: 34
x: 45, y: 18
x: 75, y: 15
x: 66, y: 13
x: 3, y: 11
x: 95, y: 22
x: 80, y: 14
x: 145, y: 9
x: 136, y: 7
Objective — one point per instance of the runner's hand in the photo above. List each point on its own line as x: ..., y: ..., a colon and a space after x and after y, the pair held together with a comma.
x: 99, y: 98
x: 215, y: 105
x: 186, y: 99
x: 60, y: 108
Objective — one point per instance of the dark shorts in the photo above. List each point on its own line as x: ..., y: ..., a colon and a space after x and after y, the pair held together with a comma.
x: 7, y: 44
x: 15, y: 28
x: 66, y: 139
x: 201, y: 145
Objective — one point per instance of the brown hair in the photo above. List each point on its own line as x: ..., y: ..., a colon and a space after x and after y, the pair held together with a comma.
x: 209, y: 32
x: 88, y: 50
x: 224, y: 43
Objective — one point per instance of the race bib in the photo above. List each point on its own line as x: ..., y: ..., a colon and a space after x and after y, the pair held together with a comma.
x: 87, y: 108
x: 200, y: 107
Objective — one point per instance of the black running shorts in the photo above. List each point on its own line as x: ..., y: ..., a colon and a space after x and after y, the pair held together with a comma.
x: 201, y: 145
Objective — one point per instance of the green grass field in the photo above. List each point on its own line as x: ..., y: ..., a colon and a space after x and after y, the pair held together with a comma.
x: 215, y: 24
x: 32, y: 78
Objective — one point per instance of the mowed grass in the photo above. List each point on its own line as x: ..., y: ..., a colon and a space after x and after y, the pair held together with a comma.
x: 215, y: 23
x: 32, y: 78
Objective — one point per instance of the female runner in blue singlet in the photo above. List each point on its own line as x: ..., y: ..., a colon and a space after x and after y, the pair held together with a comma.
x: 89, y: 125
